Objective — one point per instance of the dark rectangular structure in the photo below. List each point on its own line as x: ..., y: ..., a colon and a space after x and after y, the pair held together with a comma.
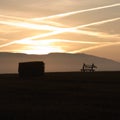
x: 31, y: 69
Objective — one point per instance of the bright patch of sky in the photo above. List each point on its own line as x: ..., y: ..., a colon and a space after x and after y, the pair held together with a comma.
x: 64, y: 26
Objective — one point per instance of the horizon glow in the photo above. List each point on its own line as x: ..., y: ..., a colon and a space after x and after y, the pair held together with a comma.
x: 73, y: 31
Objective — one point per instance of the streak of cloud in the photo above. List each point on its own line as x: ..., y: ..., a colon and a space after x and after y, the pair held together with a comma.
x: 95, y: 47
x: 29, y: 25
x: 49, y: 41
x: 75, y: 12
x: 43, y: 20
x: 96, y: 34
x: 51, y: 23
x: 63, y: 30
x: 20, y: 19
x: 45, y: 27
x: 7, y: 44
x: 42, y: 27
x: 97, y: 23
x: 73, y: 28
x: 14, y: 18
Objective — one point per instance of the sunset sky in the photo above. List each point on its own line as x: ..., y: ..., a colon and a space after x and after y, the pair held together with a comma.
x: 70, y: 26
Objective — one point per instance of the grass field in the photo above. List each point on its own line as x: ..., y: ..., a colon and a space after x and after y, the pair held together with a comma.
x: 61, y: 96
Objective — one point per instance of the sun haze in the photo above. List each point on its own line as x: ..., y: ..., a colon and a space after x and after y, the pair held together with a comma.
x: 42, y: 27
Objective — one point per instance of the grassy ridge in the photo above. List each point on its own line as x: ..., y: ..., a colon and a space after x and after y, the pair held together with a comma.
x: 61, y: 96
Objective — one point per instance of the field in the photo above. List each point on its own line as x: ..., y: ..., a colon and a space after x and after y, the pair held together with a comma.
x: 61, y: 96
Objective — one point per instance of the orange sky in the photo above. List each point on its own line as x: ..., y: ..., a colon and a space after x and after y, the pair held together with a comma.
x: 42, y: 27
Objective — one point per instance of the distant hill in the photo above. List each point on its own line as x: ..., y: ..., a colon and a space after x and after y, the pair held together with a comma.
x: 56, y: 62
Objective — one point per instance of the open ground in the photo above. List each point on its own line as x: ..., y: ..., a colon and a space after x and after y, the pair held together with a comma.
x: 61, y: 96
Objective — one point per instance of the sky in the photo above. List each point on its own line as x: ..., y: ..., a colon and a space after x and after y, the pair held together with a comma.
x: 67, y: 26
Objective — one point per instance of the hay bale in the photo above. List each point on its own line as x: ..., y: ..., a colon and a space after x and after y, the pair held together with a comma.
x: 31, y: 69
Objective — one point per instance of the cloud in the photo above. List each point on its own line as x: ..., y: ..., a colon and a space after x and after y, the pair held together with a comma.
x: 87, y: 25
x: 31, y: 8
x: 63, y: 30
x: 95, y: 47
x: 74, y: 28
x: 50, y: 41
x: 75, y: 12
x: 29, y: 25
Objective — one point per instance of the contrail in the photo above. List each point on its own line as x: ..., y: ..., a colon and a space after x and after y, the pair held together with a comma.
x: 97, y: 23
x: 76, y: 12
x: 47, y: 27
x: 74, y: 41
x: 15, y: 18
x: 30, y: 20
x: 7, y: 44
x: 73, y: 28
x: 67, y: 30
x: 60, y: 15
x: 53, y: 16
x: 96, y: 34
x: 51, y: 23
x: 32, y: 42
x: 95, y: 47
x: 29, y: 25
x: 20, y: 19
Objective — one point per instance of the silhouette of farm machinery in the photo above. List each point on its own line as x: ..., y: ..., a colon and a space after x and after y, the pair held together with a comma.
x: 88, y: 68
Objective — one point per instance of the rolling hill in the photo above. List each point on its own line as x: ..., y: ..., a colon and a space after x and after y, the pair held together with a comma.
x: 56, y: 62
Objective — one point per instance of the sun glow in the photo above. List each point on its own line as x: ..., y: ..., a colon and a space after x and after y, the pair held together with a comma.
x: 43, y: 35
x: 39, y: 47
x: 42, y: 50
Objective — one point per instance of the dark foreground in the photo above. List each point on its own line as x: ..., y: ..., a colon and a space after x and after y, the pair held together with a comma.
x: 61, y: 96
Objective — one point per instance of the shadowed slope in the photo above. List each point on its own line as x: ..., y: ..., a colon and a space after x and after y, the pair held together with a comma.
x: 56, y: 62
x: 64, y: 96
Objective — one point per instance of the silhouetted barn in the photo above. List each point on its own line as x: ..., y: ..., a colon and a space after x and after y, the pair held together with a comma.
x: 31, y: 69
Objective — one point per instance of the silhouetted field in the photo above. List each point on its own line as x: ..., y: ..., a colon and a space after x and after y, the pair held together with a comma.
x: 61, y: 96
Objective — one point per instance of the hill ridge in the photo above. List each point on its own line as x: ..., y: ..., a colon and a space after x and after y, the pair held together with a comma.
x: 55, y: 62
